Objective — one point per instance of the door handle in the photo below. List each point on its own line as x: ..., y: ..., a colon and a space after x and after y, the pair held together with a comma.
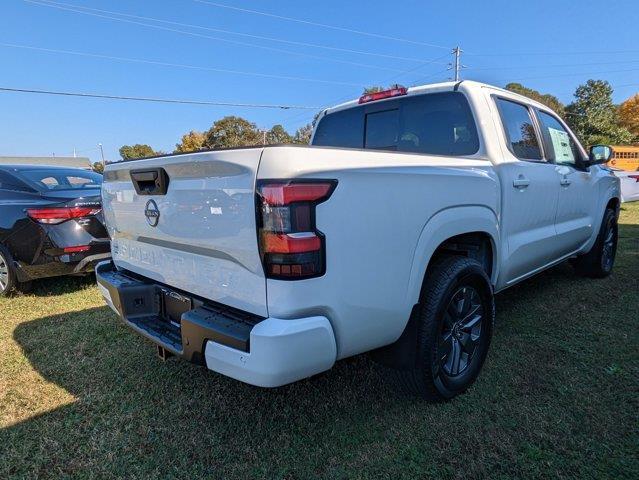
x: 565, y: 181
x: 521, y: 182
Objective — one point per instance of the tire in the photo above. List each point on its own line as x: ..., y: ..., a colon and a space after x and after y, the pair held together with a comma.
x: 8, y: 279
x: 454, y: 326
x: 598, y: 262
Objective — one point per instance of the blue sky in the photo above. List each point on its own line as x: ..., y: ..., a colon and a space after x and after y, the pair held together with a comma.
x: 552, y: 46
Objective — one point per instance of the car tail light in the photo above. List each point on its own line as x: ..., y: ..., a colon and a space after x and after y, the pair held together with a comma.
x: 76, y: 249
x: 393, y: 92
x: 291, y: 247
x: 53, y: 215
x: 636, y: 177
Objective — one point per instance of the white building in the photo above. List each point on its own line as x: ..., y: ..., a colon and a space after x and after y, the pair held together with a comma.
x: 75, y: 162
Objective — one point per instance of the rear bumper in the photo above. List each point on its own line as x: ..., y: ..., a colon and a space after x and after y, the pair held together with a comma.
x: 70, y: 264
x: 267, y: 352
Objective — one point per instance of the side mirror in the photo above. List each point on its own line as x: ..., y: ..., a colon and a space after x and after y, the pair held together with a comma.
x: 599, y: 154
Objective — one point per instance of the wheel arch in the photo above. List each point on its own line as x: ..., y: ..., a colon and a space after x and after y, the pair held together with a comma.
x: 613, y: 203
x: 456, y: 230
x: 450, y: 234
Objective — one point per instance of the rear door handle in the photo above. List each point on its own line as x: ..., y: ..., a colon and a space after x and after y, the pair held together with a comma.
x: 521, y: 182
x: 564, y: 181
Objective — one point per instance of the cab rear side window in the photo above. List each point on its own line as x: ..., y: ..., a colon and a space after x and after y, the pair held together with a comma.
x: 433, y: 123
x: 521, y: 135
x: 341, y: 129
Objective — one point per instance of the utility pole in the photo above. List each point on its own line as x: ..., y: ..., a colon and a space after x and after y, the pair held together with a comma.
x: 457, y: 65
x: 102, y: 154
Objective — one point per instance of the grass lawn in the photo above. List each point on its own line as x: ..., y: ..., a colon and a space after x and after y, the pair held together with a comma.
x: 83, y: 396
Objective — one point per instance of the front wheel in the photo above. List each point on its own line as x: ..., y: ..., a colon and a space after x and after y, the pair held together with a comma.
x: 455, y: 320
x: 598, y: 262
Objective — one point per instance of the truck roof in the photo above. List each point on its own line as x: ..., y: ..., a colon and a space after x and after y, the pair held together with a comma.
x: 439, y: 87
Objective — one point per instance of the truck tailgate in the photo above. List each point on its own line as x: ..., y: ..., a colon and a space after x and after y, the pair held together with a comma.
x: 204, y: 239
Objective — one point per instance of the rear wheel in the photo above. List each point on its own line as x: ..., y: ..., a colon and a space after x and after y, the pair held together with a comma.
x: 454, y: 329
x: 7, y: 273
x: 598, y: 262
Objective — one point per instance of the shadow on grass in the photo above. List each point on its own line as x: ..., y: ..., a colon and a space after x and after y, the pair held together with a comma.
x: 135, y: 416
x: 131, y: 405
x: 47, y: 287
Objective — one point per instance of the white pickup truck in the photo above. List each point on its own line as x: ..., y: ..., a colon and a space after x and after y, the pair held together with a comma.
x: 391, y: 232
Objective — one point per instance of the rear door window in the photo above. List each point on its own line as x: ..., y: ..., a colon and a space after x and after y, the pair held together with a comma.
x: 435, y: 123
x: 520, y: 130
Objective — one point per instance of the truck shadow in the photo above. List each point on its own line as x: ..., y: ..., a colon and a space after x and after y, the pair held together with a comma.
x: 129, y: 404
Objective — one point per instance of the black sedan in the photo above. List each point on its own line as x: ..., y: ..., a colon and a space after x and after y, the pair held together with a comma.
x: 50, y: 223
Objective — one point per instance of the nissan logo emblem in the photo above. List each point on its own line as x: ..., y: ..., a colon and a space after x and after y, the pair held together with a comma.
x: 152, y: 213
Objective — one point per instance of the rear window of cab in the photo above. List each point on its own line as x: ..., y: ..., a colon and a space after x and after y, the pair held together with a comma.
x: 434, y: 123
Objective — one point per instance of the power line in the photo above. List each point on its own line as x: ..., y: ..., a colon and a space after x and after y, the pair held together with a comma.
x: 384, y: 82
x: 575, y: 74
x: 304, y: 117
x: 200, y: 35
x: 176, y: 65
x: 515, y: 67
x: 421, y: 65
x: 421, y: 80
x: 323, y: 25
x: 523, y: 54
x: 157, y: 100
x: 230, y: 32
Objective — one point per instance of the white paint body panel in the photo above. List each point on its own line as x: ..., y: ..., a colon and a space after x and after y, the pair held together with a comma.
x: 372, y: 223
x: 282, y: 351
x: 629, y: 185
x: 205, y: 241
x: 389, y: 213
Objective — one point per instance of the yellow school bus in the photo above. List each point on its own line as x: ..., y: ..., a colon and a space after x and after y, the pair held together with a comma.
x: 625, y: 157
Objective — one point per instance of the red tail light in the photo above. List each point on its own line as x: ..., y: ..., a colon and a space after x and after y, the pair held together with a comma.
x: 77, y: 249
x: 290, y: 244
x: 53, y: 215
x: 297, y: 192
x: 636, y: 177
x: 393, y: 92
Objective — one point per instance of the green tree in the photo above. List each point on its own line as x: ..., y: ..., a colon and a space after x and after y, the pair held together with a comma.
x: 190, y: 142
x: 629, y: 115
x: 277, y: 134
x: 549, y: 100
x: 379, y: 88
x: 128, y: 152
x: 303, y: 134
x: 232, y: 132
x: 98, y: 167
x: 373, y: 89
x: 593, y: 116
